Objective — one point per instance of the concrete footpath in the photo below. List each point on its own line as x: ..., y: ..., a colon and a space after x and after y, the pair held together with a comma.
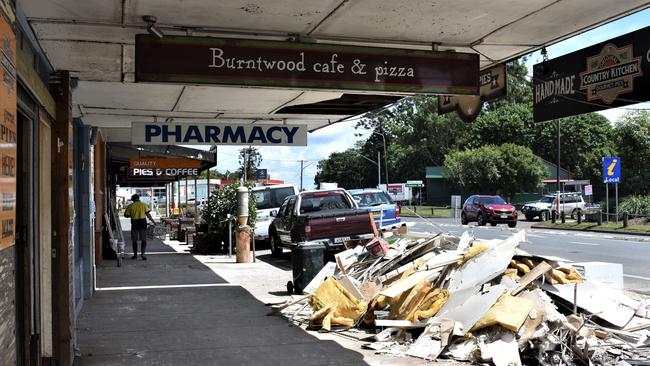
x: 179, y: 309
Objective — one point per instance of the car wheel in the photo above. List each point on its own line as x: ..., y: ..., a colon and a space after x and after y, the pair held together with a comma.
x: 530, y: 218
x: 276, y: 250
x: 544, y: 216
x: 575, y: 213
x: 512, y: 224
x: 493, y: 223
x: 480, y: 221
x: 463, y: 219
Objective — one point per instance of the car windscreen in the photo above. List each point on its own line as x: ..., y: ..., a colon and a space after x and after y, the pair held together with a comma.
x: 322, y: 201
x: 492, y: 201
x: 546, y: 199
x: 272, y: 197
x: 369, y: 199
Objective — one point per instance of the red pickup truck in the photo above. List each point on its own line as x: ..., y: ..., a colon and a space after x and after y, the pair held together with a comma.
x: 331, y: 217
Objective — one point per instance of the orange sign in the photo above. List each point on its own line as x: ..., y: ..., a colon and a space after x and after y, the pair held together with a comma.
x: 163, y: 163
x: 8, y: 136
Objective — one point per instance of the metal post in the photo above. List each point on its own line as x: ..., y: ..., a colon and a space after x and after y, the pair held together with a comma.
x: 301, y: 170
x: 558, y: 160
x: 616, y: 190
x: 229, y: 236
x: 196, y: 200
x: 607, y: 202
x: 208, y: 186
x: 187, y: 195
x: 379, y: 170
x: 385, y: 160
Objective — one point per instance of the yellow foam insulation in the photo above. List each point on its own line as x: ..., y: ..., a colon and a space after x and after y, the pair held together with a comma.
x: 420, y: 302
x: 472, y: 252
x: 333, y: 304
x: 564, y: 276
x: 509, y: 312
x: 511, y: 272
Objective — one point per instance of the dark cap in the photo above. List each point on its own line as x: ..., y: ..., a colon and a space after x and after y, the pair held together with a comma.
x: 135, y: 197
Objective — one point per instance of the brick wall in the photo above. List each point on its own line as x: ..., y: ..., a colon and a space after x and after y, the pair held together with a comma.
x: 7, y: 309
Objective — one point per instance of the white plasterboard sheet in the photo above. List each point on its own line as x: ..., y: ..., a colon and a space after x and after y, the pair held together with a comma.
x: 486, y: 265
x: 607, y: 303
x: 328, y: 270
x: 468, y: 306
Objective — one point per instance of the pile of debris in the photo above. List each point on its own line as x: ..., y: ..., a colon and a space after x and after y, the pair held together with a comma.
x: 441, y: 296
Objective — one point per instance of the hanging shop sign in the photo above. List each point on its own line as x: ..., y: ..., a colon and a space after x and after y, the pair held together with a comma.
x: 8, y: 135
x: 146, y: 133
x: 209, y: 60
x: 163, y: 167
x: 607, y: 75
x: 492, y: 83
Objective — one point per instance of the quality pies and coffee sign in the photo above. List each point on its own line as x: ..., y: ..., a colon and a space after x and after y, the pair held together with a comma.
x: 610, y: 74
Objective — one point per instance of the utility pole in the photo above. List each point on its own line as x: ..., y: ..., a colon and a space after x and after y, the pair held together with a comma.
x: 245, y: 167
x: 379, y: 169
x: 301, y: 170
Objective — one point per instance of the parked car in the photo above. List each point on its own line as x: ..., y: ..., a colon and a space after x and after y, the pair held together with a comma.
x: 267, y: 199
x: 488, y: 209
x: 328, y: 216
x: 571, y: 203
x: 384, y: 210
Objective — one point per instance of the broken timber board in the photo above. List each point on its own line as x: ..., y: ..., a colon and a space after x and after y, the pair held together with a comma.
x: 531, y: 276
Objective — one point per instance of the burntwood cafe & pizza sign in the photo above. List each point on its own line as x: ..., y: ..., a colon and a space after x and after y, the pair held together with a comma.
x: 610, y: 74
x: 208, y: 60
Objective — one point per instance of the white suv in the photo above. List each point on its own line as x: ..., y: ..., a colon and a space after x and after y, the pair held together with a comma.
x: 570, y: 203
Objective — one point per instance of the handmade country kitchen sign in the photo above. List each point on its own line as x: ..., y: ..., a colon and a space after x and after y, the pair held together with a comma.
x: 206, y: 60
x: 610, y: 74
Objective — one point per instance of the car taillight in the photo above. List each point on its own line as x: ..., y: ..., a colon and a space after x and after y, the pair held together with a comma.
x: 397, y: 211
x: 308, y: 232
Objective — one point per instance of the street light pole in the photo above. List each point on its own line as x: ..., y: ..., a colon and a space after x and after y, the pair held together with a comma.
x: 378, y: 169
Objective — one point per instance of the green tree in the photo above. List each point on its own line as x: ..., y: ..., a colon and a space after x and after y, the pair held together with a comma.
x: 249, y: 160
x: 632, y: 138
x: 344, y: 168
x: 214, y: 174
x: 504, y: 169
x: 416, y: 136
x: 584, y: 141
x: 510, y: 123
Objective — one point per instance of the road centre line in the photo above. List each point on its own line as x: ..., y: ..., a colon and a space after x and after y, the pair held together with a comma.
x: 637, y: 277
x: 583, y: 243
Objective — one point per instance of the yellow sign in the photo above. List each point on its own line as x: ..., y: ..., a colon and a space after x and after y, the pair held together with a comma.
x: 8, y: 135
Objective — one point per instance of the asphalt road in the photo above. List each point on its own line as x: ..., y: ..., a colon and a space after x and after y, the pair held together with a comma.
x: 632, y: 252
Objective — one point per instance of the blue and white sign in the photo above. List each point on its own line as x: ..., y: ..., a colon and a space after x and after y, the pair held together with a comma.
x: 612, y: 170
x: 261, y: 174
x: 151, y: 133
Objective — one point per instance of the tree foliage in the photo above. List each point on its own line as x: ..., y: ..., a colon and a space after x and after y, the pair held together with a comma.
x: 224, y: 202
x: 249, y: 160
x: 632, y: 138
x: 504, y: 169
x: 343, y: 168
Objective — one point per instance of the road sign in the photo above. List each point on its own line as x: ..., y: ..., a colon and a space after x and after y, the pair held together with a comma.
x: 588, y: 190
x: 612, y: 170
x: 414, y: 183
x: 261, y: 174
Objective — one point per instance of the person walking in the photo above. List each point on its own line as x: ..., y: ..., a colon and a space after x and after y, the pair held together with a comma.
x: 138, y: 211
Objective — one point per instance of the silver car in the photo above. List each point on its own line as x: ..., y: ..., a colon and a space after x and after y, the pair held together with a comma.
x: 571, y: 204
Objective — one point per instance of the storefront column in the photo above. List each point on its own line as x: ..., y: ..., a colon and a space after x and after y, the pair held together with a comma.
x: 62, y: 221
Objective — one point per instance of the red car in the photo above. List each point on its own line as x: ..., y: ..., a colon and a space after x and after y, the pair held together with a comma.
x: 488, y: 209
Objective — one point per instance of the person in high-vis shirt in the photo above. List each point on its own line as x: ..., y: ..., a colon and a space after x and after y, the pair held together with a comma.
x: 138, y: 211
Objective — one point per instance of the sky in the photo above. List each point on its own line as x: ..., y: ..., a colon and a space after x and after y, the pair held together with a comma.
x: 284, y: 162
